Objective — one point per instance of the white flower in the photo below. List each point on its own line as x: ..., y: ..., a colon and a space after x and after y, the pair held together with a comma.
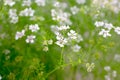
x: 109, y: 26
x: 72, y: 34
x: 80, y: 1
x: 50, y: 42
x: 12, y: 13
x: 40, y: 2
x: 27, y: 12
x: 79, y: 38
x: 14, y: 20
x: 13, y: 16
x: 61, y: 41
x: 60, y: 5
x: 30, y: 39
x: 117, y: 30
x: 26, y: 3
x: 63, y: 27
x: 34, y: 28
x: 104, y: 33
x: 54, y: 28
x: 9, y: 2
x: 117, y: 57
x: 62, y: 17
x: 74, y: 10
x: 0, y: 77
x: 107, y: 68
x: 20, y: 34
x: 114, y: 73
x: 76, y: 48
x: 99, y: 23
x: 107, y: 77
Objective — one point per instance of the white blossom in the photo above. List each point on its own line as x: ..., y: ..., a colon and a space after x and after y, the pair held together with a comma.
x: 74, y: 10
x: 99, y: 23
x: 54, y: 28
x: 13, y: 16
x: 117, y: 57
x: 63, y: 27
x: 114, y: 73
x: 80, y: 1
x: 14, y: 20
x: 61, y: 41
x: 117, y: 30
x: 20, y: 34
x: 107, y: 68
x: 107, y: 77
x: 34, y: 28
x: 60, y: 16
x: 79, y: 38
x: 72, y: 34
x: 109, y: 26
x: 30, y: 39
x: 26, y: 3
x: 104, y: 33
x: 40, y: 2
x: 9, y: 2
x: 76, y: 48
x: 27, y: 12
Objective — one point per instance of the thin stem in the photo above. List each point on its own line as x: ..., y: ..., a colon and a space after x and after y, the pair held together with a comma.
x: 61, y: 57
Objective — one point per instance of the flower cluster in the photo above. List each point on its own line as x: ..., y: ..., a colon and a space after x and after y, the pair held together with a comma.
x: 13, y: 16
x: 27, y: 12
x: 111, y: 74
x: 113, y: 5
x: 30, y: 38
x: 64, y: 34
x: 9, y: 2
x: 106, y: 28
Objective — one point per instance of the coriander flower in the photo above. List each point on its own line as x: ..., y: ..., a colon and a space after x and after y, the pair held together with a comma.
x: 72, y: 34
x: 30, y: 39
x: 61, y: 41
x: 14, y: 20
x: 74, y: 10
x: 12, y: 13
x: 9, y: 2
x: 107, y: 68
x: 117, y: 30
x: 79, y: 38
x: 63, y: 27
x: 80, y: 1
x: 27, y: 12
x: 20, y: 34
x: 40, y: 2
x: 99, y: 23
x: 104, y: 33
x: 26, y: 3
x: 108, y: 26
x: 107, y: 77
x: 114, y: 73
x: 76, y: 48
x: 34, y: 28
